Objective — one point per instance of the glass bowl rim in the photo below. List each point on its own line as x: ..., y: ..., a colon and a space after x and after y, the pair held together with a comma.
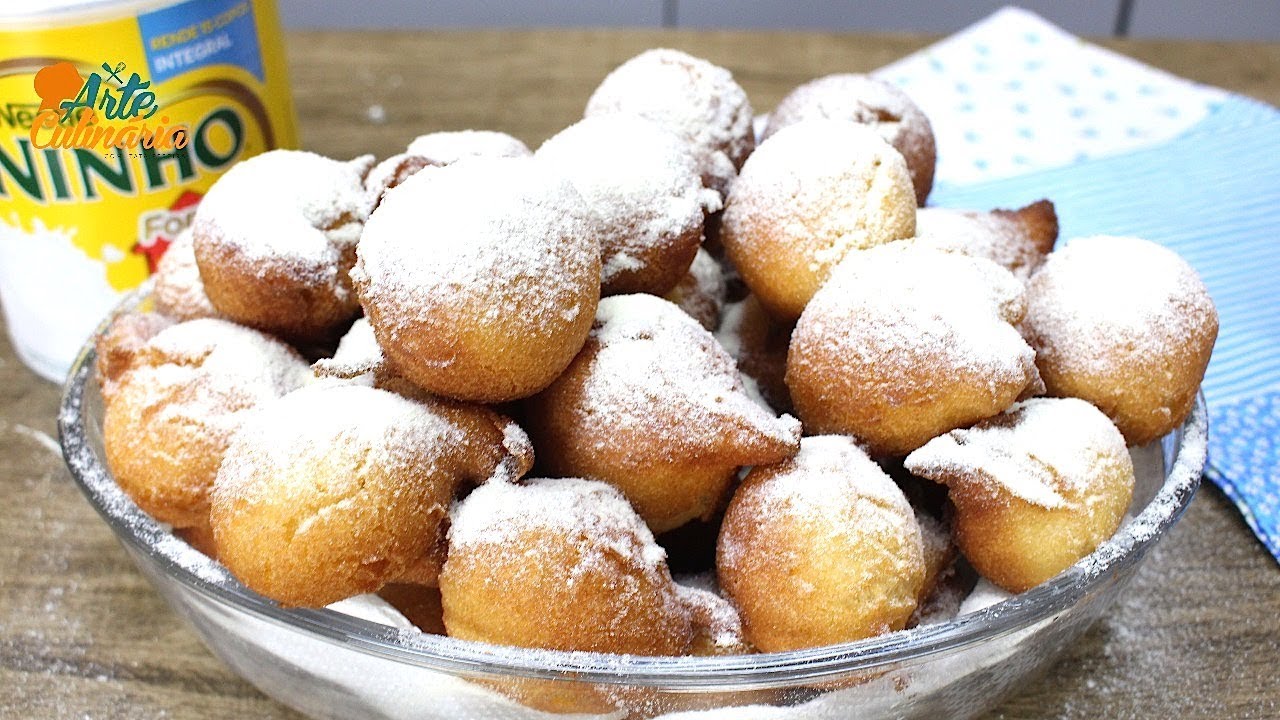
x: 199, y: 574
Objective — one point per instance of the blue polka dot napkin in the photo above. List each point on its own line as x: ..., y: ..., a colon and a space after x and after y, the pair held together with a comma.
x: 1023, y: 110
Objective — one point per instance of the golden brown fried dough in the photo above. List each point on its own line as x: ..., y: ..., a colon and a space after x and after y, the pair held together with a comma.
x: 562, y: 564
x: 275, y: 237
x: 481, y: 278
x: 867, y: 101
x: 642, y: 181
x: 1018, y: 240
x: 1126, y: 325
x: 119, y: 345
x: 437, y: 150
x: 171, y: 414
x: 820, y: 549
x: 336, y: 490
x: 816, y: 191
x: 905, y: 343
x: 1035, y: 488
x: 654, y: 406
x: 692, y: 98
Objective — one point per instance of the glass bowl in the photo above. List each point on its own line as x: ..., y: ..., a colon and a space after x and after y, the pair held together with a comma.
x: 329, y: 665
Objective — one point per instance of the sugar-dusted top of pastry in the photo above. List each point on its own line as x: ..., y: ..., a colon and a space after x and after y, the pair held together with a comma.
x: 1101, y: 299
x: 338, y: 425
x: 209, y: 370
x: 693, y: 98
x: 179, y: 291
x: 701, y: 292
x: 639, y: 177
x: 829, y: 185
x: 445, y: 148
x: 856, y: 98
x: 1017, y: 240
x: 1050, y: 452
x: 504, y: 229
x: 898, y: 305
x: 651, y: 356
x: 295, y: 211
x: 591, y: 515
x: 715, y: 618
x: 833, y: 487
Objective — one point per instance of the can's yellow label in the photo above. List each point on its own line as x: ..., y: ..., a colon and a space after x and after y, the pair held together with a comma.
x: 112, y: 130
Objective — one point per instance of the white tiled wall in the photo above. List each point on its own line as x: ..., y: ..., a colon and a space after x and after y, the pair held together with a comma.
x: 1205, y: 19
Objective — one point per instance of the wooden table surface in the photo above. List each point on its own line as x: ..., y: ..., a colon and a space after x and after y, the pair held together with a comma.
x: 82, y: 635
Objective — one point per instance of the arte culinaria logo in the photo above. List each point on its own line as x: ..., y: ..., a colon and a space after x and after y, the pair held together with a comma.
x: 104, y: 111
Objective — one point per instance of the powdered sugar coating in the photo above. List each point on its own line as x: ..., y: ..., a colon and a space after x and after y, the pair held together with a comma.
x: 653, y: 355
x: 292, y: 210
x: 471, y: 270
x: 592, y: 513
x: 643, y: 183
x: 701, y: 292
x: 178, y: 290
x: 1104, y: 301
x: 358, y: 356
x: 385, y: 430
x: 817, y: 190
x: 693, y: 98
x: 190, y: 368
x: 867, y: 101
x: 715, y: 618
x: 1051, y: 452
x: 1000, y: 236
x: 834, y: 488
x: 448, y: 147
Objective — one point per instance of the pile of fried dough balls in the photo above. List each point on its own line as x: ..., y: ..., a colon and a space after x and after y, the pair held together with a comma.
x: 354, y: 369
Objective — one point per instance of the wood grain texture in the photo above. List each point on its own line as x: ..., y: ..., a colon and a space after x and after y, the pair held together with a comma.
x: 83, y: 635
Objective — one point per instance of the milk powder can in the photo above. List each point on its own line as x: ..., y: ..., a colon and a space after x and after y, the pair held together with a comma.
x: 115, y: 118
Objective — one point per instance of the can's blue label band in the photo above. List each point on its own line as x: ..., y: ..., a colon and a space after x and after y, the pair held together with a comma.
x: 199, y: 33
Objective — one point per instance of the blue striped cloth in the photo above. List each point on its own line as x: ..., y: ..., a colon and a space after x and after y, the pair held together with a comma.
x: 1213, y: 195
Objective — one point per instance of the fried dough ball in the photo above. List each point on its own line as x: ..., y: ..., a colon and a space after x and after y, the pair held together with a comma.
x: 1035, y: 488
x: 654, y: 406
x: 336, y: 490
x: 701, y: 292
x: 867, y: 101
x: 597, y: 581
x: 481, y: 278
x: 642, y: 181
x: 437, y: 150
x: 698, y: 101
x: 905, y: 343
x: 1018, y: 240
x: 178, y: 291
x: 820, y: 549
x: 275, y: 237
x: 1126, y: 325
x: 759, y: 342
x: 717, y: 626
x: 172, y: 413
x: 811, y: 194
